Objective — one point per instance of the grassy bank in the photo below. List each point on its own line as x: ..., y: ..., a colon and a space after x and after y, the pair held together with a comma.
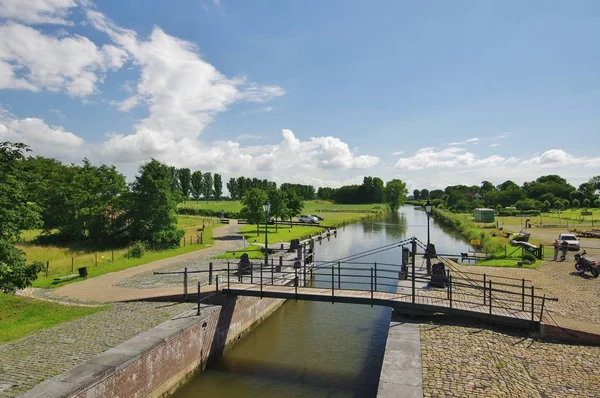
x: 20, y: 316
x: 66, y: 260
x: 492, y: 241
x: 335, y: 218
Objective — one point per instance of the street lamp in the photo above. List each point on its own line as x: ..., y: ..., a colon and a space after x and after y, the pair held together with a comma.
x: 266, y: 208
x: 428, y: 207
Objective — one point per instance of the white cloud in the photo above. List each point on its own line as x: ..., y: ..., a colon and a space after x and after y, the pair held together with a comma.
x: 467, y: 141
x: 397, y: 153
x: 248, y: 137
x: 452, y: 157
x: 33, y: 61
x: 43, y: 139
x: 558, y: 157
x: 37, y: 11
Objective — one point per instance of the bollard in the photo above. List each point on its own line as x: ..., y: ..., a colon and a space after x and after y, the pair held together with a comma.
x: 210, y: 273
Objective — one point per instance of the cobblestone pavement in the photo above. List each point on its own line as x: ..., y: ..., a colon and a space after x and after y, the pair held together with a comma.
x: 468, y: 361
x: 42, y: 355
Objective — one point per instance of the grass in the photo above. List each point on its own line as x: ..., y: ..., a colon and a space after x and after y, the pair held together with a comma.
x: 20, y: 316
x: 310, y: 206
x: 64, y: 261
x: 510, y: 262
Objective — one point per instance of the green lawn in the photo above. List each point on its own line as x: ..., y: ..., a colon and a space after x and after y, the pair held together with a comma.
x: 310, y: 206
x: 505, y: 262
x: 20, y: 316
x: 65, y: 261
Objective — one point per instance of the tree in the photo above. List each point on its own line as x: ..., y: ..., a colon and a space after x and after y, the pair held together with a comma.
x: 416, y: 194
x: 278, y: 205
x: 153, y: 207
x: 185, y: 177
x: 196, y: 185
x: 252, y: 210
x: 207, y: 186
x: 424, y: 194
x: 218, y: 184
x: 232, y: 187
x: 293, y: 205
x: 15, y: 215
x: 395, y: 193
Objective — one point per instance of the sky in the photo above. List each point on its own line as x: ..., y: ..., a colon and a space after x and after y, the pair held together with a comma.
x: 434, y: 93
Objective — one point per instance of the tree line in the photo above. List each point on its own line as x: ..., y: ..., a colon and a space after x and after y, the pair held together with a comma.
x: 549, y: 192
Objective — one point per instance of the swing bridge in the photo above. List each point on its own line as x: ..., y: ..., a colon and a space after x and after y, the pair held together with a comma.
x: 405, y: 287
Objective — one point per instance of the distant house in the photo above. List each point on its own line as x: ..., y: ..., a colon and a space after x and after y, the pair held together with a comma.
x: 475, y: 195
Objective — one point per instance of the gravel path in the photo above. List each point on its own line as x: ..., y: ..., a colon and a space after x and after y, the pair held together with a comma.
x: 30, y: 360
x: 468, y: 361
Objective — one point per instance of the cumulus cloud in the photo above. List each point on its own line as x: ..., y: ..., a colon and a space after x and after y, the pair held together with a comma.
x: 558, y: 157
x: 43, y: 139
x: 467, y: 141
x: 34, y: 61
x: 452, y: 157
x: 37, y: 11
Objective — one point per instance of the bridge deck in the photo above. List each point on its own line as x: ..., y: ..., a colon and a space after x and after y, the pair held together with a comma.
x: 399, y: 301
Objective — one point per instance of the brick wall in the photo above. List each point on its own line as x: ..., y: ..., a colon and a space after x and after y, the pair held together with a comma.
x: 155, y: 363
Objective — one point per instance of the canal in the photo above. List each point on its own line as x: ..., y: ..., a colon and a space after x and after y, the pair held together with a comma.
x: 310, y: 349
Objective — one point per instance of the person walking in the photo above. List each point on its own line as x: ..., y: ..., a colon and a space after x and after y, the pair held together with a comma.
x: 564, y: 246
x: 556, y: 245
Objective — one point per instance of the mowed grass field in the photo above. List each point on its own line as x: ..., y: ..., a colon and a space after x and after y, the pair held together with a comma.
x: 66, y: 260
x: 20, y: 316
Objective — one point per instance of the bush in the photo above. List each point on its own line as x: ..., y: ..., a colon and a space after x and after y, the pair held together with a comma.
x: 137, y: 249
x: 529, y: 258
x: 193, y: 211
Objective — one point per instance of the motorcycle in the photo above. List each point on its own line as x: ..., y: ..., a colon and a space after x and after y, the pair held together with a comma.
x: 583, y: 265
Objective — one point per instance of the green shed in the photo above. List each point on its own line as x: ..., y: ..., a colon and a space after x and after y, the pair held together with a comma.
x: 484, y: 215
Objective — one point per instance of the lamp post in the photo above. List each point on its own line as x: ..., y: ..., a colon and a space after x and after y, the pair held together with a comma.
x: 266, y: 208
x: 428, y: 207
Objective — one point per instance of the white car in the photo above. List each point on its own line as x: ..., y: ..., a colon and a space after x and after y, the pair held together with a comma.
x: 307, y: 219
x: 571, y: 240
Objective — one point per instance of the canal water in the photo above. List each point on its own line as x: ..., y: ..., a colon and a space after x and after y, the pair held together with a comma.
x: 317, y: 349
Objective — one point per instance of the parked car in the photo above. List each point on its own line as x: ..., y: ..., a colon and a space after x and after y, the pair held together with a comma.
x: 317, y: 217
x: 571, y: 240
x: 307, y: 219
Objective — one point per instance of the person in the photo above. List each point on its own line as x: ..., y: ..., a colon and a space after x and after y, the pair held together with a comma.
x: 556, y: 245
x: 564, y: 246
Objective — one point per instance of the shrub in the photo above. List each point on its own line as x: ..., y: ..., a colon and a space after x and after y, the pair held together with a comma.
x: 530, y: 258
x: 137, y: 249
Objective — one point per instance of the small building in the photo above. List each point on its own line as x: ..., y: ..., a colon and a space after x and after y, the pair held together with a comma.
x: 484, y: 215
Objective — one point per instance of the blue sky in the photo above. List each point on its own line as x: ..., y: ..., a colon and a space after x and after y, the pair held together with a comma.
x: 434, y: 93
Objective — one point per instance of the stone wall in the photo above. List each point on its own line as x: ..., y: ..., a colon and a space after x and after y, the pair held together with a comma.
x: 156, y: 362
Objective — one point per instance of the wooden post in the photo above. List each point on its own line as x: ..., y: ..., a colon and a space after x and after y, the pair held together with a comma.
x: 184, y: 241
x: 202, y: 237
x: 296, y: 282
x: 73, y: 264
x: 450, y: 284
x: 332, y: 283
x: 413, y: 255
x: 198, y: 312
x: 490, y: 298
x: 542, y: 311
x: 375, y: 280
x: 210, y: 273
x: 47, y: 268
x: 484, y: 286
x: 185, y: 284
x: 372, y: 282
x: 96, y: 258
x: 523, y: 295
x: 112, y: 256
x: 532, y: 304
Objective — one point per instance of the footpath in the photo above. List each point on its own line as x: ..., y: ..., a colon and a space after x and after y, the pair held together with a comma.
x: 114, y: 287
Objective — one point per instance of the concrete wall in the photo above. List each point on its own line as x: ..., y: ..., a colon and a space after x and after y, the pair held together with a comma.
x: 156, y: 362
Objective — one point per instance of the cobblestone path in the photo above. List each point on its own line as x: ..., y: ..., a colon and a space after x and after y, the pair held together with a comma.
x: 467, y: 361
x: 42, y: 355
